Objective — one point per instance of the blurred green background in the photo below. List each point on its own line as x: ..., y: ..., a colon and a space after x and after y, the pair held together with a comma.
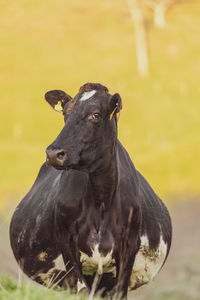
x: 63, y: 44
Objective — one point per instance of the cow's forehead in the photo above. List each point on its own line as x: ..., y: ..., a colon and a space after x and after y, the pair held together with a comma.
x: 92, y: 96
x: 87, y: 95
x: 86, y: 99
x: 87, y: 87
x: 88, y: 90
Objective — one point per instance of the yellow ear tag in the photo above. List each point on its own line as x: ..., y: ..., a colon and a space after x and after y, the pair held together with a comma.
x: 58, y: 106
x: 112, y: 113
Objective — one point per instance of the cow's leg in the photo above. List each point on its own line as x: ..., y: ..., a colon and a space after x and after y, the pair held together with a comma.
x: 129, y: 247
x: 72, y: 274
x: 125, y: 269
x: 75, y: 278
x: 100, y: 284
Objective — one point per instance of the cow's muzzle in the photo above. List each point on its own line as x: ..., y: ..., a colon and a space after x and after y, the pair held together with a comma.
x: 56, y: 158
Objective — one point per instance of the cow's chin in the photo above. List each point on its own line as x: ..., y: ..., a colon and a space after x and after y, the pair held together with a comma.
x: 60, y: 168
x: 71, y: 167
x: 67, y: 165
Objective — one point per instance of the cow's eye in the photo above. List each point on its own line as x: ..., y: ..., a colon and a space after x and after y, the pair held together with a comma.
x: 96, y: 116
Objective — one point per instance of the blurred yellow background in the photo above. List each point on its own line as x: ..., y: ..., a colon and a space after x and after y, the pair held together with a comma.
x: 65, y: 43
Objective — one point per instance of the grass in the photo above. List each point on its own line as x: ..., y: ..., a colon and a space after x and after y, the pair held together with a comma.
x: 63, y: 44
x: 183, y: 287
x: 11, y: 290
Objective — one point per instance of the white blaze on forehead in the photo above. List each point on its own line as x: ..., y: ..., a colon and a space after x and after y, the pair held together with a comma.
x: 87, y: 95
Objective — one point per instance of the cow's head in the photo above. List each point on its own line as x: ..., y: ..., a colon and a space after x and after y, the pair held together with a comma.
x: 89, y: 136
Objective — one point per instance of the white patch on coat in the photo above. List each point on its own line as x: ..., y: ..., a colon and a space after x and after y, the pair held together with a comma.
x: 97, y: 262
x: 147, y: 262
x: 42, y: 256
x: 50, y: 277
x: 80, y: 286
x: 87, y: 95
x: 21, y: 236
x: 59, y: 263
x: 35, y: 230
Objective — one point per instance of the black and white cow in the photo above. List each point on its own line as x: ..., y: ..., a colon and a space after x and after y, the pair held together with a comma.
x: 90, y: 211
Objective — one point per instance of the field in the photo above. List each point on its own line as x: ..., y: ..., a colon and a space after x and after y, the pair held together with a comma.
x: 63, y: 44
x: 12, y: 290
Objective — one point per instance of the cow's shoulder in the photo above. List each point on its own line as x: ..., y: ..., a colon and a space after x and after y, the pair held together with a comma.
x: 72, y: 190
x: 53, y: 186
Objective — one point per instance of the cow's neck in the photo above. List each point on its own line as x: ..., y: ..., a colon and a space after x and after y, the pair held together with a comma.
x: 104, y: 182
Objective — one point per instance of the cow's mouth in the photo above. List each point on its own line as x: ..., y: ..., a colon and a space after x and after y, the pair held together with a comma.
x: 67, y: 166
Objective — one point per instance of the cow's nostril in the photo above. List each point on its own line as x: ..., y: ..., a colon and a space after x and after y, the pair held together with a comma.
x: 61, y: 155
x: 56, y: 157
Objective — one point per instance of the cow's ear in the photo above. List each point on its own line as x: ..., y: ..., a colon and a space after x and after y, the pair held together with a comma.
x: 57, y: 99
x: 115, y: 105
